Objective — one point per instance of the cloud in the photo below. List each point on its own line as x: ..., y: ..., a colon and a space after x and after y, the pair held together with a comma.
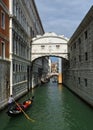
x: 66, y: 26
x: 60, y: 16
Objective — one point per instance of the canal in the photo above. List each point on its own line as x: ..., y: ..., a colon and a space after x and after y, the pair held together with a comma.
x: 54, y: 108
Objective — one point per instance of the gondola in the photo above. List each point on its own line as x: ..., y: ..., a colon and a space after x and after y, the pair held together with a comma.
x: 44, y: 81
x: 19, y: 108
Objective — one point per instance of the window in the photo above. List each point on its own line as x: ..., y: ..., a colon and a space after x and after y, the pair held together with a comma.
x: 75, y: 60
x: 2, y: 20
x: 74, y: 45
x: 85, y: 82
x: 3, y: 50
x: 57, y: 46
x: 86, y: 56
x: 71, y: 48
x: 16, y: 68
x: 79, y: 80
x: 86, y: 35
x: 79, y: 40
x: 30, y: 31
x: 42, y: 46
x: 14, y: 5
x: 13, y: 67
x: 79, y: 58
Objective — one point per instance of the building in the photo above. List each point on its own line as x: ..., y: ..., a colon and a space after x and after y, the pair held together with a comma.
x: 49, y: 66
x: 60, y: 70
x: 54, y: 67
x: 19, y: 23
x: 39, y: 70
x: 4, y: 52
x: 79, y: 76
x: 24, y: 25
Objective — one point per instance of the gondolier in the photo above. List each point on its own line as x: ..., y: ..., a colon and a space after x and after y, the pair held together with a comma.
x: 19, y: 108
x: 10, y: 102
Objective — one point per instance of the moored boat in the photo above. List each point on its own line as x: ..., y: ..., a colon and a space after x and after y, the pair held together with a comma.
x: 43, y: 81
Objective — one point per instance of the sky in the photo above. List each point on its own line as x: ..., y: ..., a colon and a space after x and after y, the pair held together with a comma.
x: 62, y: 16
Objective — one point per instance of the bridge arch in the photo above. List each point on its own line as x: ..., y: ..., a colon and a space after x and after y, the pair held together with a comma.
x: 49, y: 44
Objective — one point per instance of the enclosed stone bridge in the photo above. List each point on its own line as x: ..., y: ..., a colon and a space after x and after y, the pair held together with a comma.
x: 49, y: 44
x: 53, y: 74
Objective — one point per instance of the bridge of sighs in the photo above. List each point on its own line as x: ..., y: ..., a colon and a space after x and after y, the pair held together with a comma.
x: 48, y: 45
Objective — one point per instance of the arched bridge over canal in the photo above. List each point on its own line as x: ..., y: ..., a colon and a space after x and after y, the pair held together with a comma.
x: 49, y: 44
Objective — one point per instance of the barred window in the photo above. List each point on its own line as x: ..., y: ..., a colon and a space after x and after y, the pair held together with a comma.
x: 79, y: 40
x: 57, y: 46
x: 42, y: 46
x: 86, y: 35
x: 79, y: 80
x: 86, y: 56
x: 85, y: 82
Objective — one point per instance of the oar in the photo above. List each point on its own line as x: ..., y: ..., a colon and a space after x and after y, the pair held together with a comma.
x: 24, y: 112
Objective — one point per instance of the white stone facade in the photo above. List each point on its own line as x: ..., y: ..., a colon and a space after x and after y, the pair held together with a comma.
x: 49, y: 44
x: 24, y: 25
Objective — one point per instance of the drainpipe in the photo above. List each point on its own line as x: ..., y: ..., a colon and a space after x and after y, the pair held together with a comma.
x: 11, y: 43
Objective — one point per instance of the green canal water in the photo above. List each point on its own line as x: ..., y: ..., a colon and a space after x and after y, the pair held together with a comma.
x: 54, y: 108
